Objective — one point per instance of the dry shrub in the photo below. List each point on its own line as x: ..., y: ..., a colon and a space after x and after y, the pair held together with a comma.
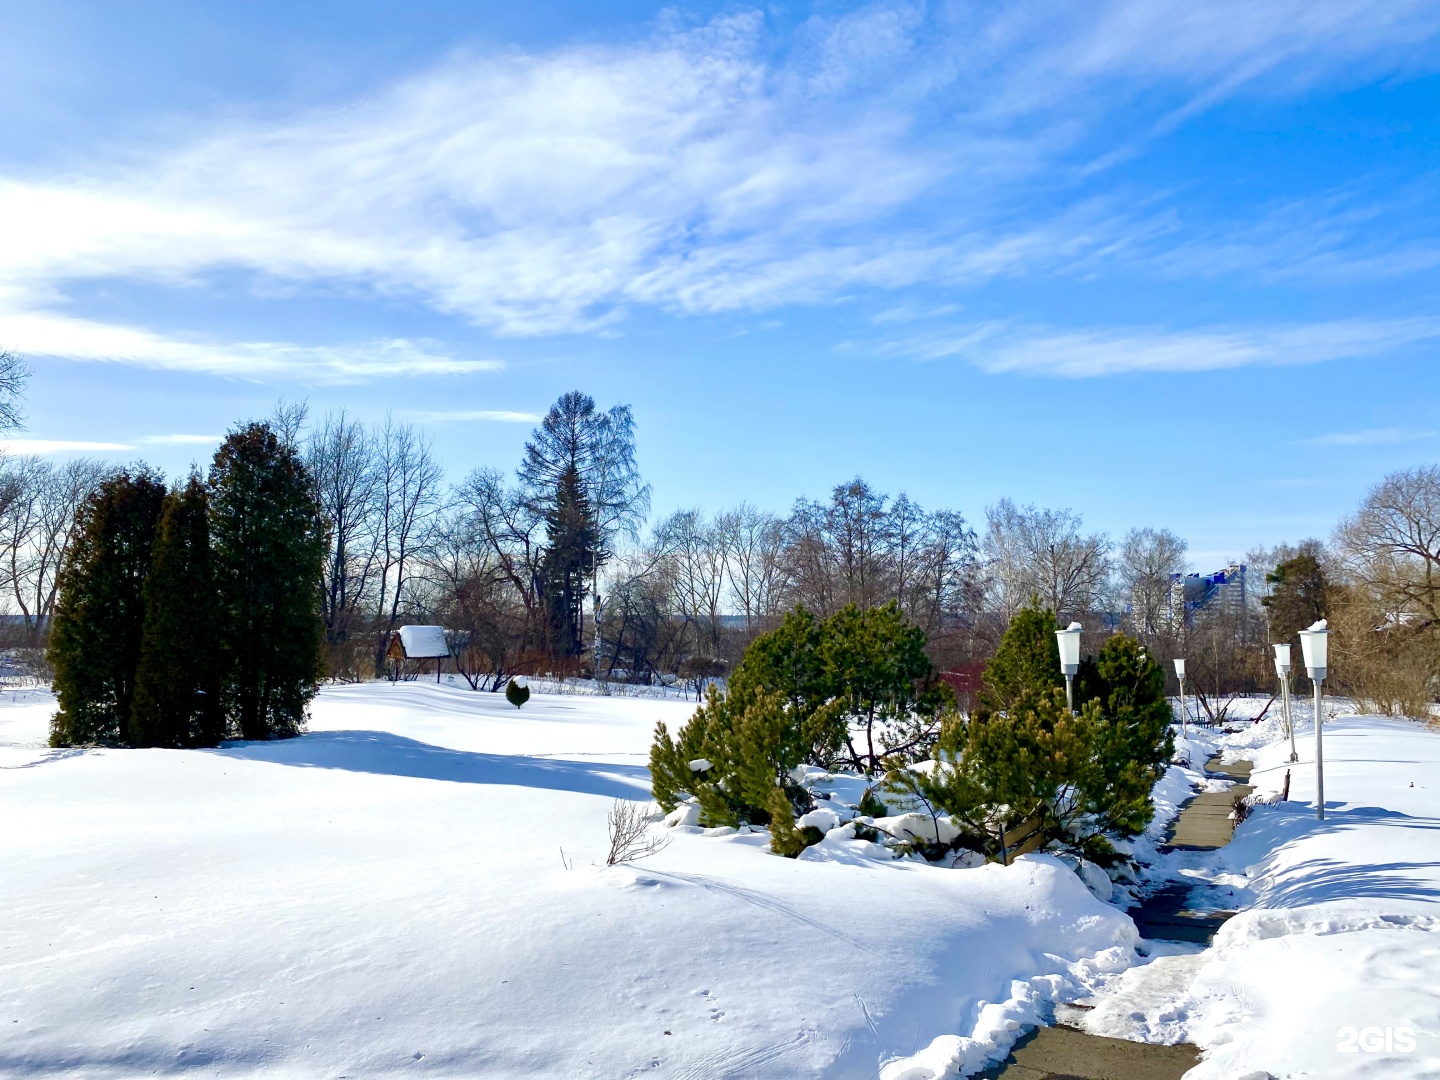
x: 630, y: 837
x: 1388, y: 667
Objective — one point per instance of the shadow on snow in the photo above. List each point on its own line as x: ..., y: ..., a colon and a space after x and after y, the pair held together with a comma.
x: 381, y: 753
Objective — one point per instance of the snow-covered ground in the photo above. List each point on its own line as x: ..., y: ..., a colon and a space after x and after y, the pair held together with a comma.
x: 1332, y: 967
x: 388, y: 895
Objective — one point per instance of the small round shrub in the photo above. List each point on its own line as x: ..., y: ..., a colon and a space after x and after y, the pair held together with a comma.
x: 517, y: 692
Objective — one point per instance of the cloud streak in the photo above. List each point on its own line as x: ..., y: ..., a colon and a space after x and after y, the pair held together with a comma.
x: 1002, y: 348
x: 40, y: 333
x: 59, y: 446
x: 1370, y: 437
x: 495, y: 416
x: 709, y: 169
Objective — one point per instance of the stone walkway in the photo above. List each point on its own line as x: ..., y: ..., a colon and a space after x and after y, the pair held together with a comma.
x: 1204, y: 823
x: 1066, y: 1053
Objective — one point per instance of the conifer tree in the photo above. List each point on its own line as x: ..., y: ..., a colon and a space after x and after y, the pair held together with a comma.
x: 1027, y: 661
x: 787, y: 661
x: 268, y: 545
x: 1087, y: 776
x: 875, y: 662
x: 100, y: 610
x: 569, y: 560
x: 177, y: 700
x: 1300, y: 595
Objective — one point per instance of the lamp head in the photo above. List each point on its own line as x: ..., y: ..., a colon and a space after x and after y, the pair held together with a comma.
x: 1315, y: 645
x: 1282, y: 660
x: 1180, y: 667
x: 1069, y: 640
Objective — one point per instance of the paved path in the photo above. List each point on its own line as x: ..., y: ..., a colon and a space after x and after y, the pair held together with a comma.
x: 1204, y: 823
x: 1066, y: 1053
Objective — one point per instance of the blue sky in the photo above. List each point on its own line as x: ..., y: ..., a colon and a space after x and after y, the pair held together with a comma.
x: 1168, y: 264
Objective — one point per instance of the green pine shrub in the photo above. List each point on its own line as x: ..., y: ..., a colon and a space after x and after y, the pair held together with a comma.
x: 802, y: 695
x: 1087, y: 777
x: 1026, y: 662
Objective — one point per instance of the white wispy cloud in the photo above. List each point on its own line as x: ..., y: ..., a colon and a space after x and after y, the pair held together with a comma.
x: 499, y: 416
x: 182, y: 440
x: 43, y: 333
x: 1388, y: 436
x: 699, y: 170
x: 59, y: 446
x: 1001, y: 348
x: 1370, y: 230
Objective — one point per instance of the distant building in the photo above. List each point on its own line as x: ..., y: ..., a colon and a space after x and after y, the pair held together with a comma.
x: 1224, y: 589
x: 418, y: 644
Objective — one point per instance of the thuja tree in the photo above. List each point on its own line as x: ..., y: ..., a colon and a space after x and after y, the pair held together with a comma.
x: 177, y: 699
x: 96, y: 636
x: 268, y: 546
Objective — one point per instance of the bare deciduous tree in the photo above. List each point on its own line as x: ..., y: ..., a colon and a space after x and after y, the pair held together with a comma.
x: 14, y: 374
x: 341, y: 458
x: 502, y: 521
x: 37, y: 527
x: 1391, y: 545
x: 752, y: 541
x: 1148, y: 560
x: 1388, y: 609
x: 696, y: 558
x: 1036, y: 552
x: 408, y: 493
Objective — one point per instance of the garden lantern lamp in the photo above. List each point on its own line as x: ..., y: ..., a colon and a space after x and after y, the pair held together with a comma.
x: 1069, y: 640
x: 1282, y: 669
x: 1180, y: 674
x: 1315, y: 644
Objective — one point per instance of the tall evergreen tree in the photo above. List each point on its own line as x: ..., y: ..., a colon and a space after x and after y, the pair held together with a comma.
x: 177, y: 700
x: 569, y: 561
x: 1300, y: 594
x: 100, y: 612
x: 1027, y: 663
x: 268, y: 546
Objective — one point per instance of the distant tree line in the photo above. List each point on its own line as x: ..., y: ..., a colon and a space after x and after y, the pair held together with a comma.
x: 557, y: 567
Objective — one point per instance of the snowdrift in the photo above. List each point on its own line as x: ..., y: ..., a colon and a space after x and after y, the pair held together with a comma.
x: 411, y: 889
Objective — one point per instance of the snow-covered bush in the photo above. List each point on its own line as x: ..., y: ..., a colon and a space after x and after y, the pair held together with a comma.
x: 856, y: 687
x: 517, y: 691
x: 1084, y: 778
x: 737, y: 757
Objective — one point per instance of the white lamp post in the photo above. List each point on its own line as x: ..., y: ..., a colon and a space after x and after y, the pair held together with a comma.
x: 1069, y: 639
x: 1282, y: 668
x: 1315, y: 644
x: 1180, y: 674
